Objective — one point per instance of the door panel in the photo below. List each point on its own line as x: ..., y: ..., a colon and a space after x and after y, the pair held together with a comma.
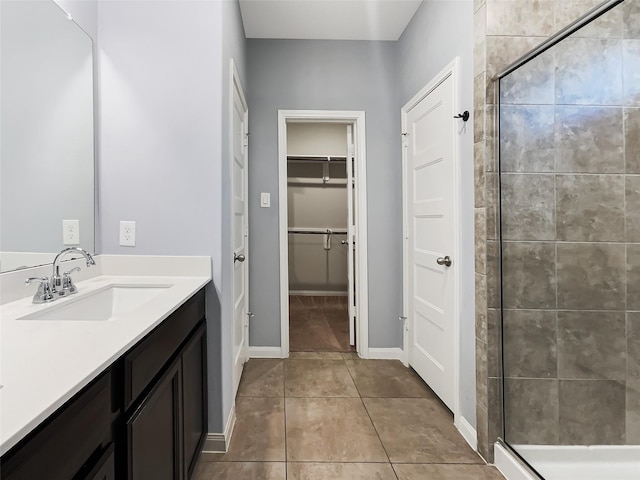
x: 430, y: 223
x: 240, y: 232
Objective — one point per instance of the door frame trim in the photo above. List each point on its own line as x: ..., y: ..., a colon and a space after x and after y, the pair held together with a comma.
x: 451, y: 70
x: 356, y: 118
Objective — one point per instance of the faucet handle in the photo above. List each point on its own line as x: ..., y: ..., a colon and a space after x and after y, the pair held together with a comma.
x: 43, y: 295
x: 68, y: 288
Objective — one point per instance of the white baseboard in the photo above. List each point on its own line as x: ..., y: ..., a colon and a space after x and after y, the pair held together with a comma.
x: 265, y: 352
x: 509, y: 466
x: 468, y: 432
x: 386, y: 353
x: 219, y: 442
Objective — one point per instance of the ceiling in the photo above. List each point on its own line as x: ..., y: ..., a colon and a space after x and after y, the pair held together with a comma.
x: 327, y: 19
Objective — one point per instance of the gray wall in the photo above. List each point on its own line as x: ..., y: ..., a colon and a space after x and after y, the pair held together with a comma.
x: 326, y: 75
x: 161, y: 146
x: 440, y: 31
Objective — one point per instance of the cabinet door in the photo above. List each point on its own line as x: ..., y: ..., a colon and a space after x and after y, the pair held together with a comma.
x: 105, y: 469
x: 194, y: 397
x: 153, y: 431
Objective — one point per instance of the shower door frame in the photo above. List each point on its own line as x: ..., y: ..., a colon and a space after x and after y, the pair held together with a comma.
x: 507, y: 459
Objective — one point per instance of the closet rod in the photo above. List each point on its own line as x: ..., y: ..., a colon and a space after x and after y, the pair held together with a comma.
x: 315, y: 158
x: 318, y: 231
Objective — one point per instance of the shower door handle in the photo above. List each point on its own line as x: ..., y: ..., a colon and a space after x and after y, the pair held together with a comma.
x: 446, y: 261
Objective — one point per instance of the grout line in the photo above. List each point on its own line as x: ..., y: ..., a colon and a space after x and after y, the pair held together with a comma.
x: 376, y: 430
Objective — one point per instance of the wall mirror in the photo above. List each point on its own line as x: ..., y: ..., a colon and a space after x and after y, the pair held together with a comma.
x: 46, y: 134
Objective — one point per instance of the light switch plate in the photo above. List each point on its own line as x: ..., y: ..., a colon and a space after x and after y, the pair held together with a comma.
x: 71, y: 232
x: 127, y: 233
x: 265, y: 200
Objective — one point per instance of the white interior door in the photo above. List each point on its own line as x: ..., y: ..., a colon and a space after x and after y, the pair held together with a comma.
x: 351, y: 233
x: 239, y: 156
x: 430, y: 195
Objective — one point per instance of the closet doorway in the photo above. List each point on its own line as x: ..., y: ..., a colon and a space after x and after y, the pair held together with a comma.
x: 322, y: 232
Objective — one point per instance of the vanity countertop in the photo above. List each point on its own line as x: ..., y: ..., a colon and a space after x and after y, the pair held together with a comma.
x: 43, y: 363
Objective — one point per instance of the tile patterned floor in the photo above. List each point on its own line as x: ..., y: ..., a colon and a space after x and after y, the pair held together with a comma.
x: 333, y: 416
x: 318, y: 324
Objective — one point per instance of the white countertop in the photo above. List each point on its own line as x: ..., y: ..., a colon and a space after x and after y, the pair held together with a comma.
x: 43, y: 363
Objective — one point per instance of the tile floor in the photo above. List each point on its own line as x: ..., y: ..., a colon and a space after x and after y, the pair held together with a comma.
x: 318, y: 324
x: 332, y: 416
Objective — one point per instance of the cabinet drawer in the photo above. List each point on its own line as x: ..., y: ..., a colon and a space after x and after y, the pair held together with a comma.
x: 147, y: 359
x: 60, y: 448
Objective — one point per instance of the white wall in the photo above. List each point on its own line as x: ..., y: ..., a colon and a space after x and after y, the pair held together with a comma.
x: 440, y: 31
x: 317, y: 139
x: 312, y: 266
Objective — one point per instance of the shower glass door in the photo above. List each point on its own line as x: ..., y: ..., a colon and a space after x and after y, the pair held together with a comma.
x: 569, y: 140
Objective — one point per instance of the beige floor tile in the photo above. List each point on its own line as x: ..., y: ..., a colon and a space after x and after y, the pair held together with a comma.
x: 340, y: 471
x: 315, y: 356
x: 350, y: 356
x: 386, y: 378
x: 240, y: 471
x: 262, y: 377
x: 318, y: 324
x: 415, y: 430
x: 446, y: 472
x: 331, y: 430
x: 311, y: 333
x: 259, y: 432
x: 318, y: 378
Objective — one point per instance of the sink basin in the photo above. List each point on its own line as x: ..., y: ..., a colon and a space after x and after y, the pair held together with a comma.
x: 103, y: 304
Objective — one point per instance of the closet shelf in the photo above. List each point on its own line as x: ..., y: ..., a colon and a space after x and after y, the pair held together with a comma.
x: 315, y: 181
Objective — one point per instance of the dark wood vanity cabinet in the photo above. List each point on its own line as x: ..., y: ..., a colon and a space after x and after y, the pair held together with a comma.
x: 166, y: 423
x: 166, y: 431
x: 194, y: 398
x: 105, y: 468
x: 70, y: 441
x: 145, y: 418
x: 153, y: 431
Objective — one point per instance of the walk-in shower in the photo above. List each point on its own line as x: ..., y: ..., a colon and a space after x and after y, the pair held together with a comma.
x: 570, y: 250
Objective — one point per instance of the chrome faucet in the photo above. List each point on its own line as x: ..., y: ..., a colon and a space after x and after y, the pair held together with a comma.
x: 59, y: 286
x: 56, y: 279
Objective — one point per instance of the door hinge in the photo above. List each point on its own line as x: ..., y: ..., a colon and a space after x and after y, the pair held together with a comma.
x: 246, y: 139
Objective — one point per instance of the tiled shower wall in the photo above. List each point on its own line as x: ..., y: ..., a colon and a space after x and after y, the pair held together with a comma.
x: 557, y: 153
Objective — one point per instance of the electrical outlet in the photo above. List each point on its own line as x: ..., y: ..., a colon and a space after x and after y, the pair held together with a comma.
x: 71, y: 232
x: 127, y: 233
